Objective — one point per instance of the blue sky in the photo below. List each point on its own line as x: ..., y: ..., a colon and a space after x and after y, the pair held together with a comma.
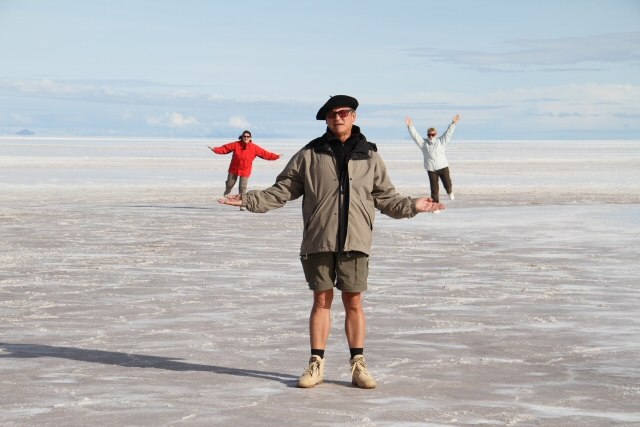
x: 512, y: 70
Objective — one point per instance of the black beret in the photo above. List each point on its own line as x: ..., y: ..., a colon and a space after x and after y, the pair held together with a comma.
x: 337, y: 101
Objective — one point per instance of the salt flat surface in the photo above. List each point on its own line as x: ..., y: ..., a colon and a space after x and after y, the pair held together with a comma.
x: 128, y: 297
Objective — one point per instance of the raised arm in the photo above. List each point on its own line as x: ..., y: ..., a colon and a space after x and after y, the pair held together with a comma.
x: 414, y: 133
x: 452, y: 126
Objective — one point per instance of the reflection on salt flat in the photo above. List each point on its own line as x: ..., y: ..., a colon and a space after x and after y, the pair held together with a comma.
x: 548, y: 411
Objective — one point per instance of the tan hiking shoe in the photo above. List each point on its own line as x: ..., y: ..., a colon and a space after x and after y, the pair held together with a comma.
x: 360, y: 376
x: 313, y: 374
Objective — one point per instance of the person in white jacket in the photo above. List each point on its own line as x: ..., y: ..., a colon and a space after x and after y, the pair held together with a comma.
x: 435, y: 161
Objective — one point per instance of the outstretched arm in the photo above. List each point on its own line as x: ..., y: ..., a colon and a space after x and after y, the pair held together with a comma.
x: 289, y: 186
x: 233, y: 200
x: 267, y: 155
x: 225, y: 149
x: 426, y: 204
x: 390, y: 203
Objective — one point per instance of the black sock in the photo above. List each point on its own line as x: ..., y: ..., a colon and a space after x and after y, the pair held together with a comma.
x: 317, y: 352
x: 356, y: 351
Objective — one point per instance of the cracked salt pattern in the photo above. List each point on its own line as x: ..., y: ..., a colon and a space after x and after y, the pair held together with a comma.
x: 131, y: 299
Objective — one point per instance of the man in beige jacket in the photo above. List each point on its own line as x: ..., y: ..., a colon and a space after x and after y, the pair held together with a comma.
x: 343, y: 180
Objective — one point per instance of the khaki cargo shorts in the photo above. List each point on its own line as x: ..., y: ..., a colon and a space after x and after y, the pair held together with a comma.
x: 347, y: 271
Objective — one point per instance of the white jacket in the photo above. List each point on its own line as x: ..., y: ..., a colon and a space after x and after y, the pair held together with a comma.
x: 433, y: 148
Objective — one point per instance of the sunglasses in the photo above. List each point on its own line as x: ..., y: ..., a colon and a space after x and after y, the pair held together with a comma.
x: 431, y: 134
x: 246, y: 136
x: 342, y: 113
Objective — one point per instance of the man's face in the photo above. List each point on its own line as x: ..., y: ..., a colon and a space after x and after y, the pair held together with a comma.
x: 432, y: 134
x: 340, y: 120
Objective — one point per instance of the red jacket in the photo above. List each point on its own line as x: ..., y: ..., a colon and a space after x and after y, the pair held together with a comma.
x: 243, y: 155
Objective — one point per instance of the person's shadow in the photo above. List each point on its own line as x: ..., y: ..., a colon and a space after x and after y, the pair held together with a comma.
x: 27, y: 351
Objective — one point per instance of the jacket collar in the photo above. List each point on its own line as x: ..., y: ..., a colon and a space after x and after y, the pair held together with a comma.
x: 360, y: 150
x: 355, y: 133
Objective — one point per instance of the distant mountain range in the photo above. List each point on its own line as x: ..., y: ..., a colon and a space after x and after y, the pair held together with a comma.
x: 25, y: 132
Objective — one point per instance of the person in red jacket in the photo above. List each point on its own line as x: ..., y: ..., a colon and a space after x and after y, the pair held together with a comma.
x: 244, y: 151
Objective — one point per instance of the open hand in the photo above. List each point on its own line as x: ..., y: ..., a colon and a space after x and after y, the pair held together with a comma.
x: 235, y: 200
x: 426, y: 204
x: 408, y: 121
x: 456, y: 118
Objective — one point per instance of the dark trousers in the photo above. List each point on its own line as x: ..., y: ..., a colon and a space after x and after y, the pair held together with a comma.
x: 231, y: 181
x: 443, y: 174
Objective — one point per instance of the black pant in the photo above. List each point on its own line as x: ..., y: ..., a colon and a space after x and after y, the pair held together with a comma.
x: 443, y: 174
x: 231, y: 181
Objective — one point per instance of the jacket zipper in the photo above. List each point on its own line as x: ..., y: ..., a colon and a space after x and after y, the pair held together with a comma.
x: 340, y: 197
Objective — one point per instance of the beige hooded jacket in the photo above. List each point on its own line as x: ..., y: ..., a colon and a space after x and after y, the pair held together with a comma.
x: 312, y: 173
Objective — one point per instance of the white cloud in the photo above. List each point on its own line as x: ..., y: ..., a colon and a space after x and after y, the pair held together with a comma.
x: 49, y: 89
x: 239, y: 122
x: 37, y: 86
x: 172, y: 120
x: 625, y: 95
x: 607, y: 48
x: 46, y: 88
x: 18, y: 119
x: 585, y: 106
